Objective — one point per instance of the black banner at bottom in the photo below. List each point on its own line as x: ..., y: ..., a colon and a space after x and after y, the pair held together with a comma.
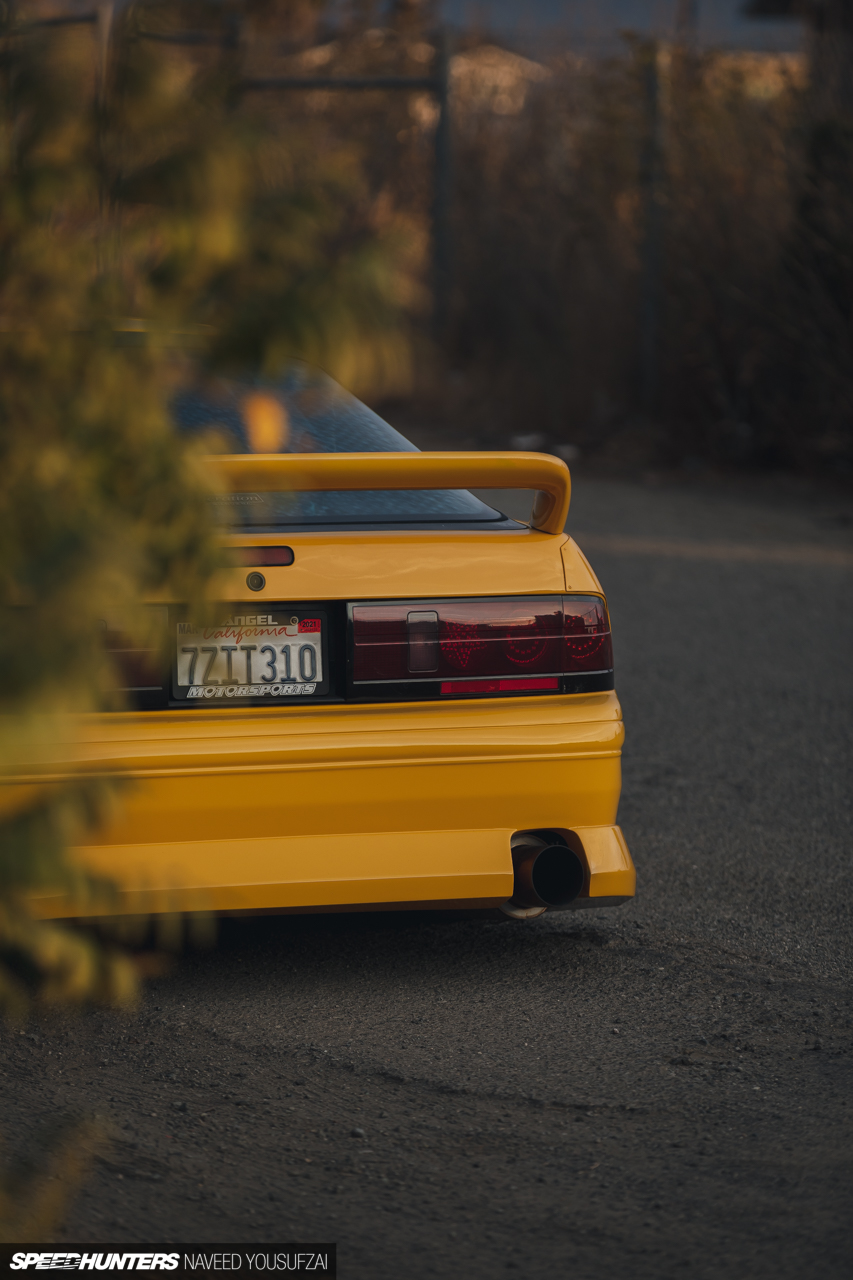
x: 170, y: 1260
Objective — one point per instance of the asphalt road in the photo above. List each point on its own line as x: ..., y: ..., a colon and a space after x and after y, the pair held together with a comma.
x: 651, y: 1091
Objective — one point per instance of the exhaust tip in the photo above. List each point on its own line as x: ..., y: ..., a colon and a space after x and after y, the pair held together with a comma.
x: 546, y: 874
x: 557, y: 875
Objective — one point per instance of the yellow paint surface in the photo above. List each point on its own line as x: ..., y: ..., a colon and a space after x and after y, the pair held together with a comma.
x: 388, y: 565
x: 611, y: 869
x: 287, y: 871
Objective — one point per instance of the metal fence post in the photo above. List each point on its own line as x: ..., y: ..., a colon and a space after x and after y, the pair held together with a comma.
x: 442, y: 201
x: 104, y: 26
x: 651, y: 173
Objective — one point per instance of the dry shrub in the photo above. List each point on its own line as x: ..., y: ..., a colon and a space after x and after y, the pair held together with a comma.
x: 546, y: 253
x: 753, y: 351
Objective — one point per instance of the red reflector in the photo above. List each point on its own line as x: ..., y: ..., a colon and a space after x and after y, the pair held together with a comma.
x: 253, y: 557
x: 500, y: 686
x: 471, y: 686
x: 549, y: 682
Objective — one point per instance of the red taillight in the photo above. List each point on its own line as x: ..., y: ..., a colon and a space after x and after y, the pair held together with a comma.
x: 586, y: 631
x: 518, y: 644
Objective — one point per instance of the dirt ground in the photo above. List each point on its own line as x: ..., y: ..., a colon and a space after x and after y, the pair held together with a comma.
x: 657, y: 1090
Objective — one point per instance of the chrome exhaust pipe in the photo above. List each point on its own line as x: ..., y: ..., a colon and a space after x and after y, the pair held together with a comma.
x: 547, y: 874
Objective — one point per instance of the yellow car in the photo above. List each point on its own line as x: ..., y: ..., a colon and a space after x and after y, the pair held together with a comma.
x: 405, y: 701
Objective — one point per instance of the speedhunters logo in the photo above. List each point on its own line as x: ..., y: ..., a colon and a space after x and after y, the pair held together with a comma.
x: 317, y: 1259
x: 95, y: 1262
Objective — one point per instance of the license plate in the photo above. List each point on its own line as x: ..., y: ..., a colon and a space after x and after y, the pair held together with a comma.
x: 267, y: 657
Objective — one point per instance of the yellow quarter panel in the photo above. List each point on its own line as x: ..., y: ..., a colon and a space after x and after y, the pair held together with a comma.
x: 578, y: 571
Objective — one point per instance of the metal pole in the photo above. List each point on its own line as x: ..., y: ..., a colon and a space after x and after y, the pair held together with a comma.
x: 651, y: 173
x: 104, y: 26
x: 442, y: 192
x: 687, y: 24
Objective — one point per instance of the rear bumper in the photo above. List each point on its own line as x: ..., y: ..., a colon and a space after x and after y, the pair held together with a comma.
x: 351, y: 806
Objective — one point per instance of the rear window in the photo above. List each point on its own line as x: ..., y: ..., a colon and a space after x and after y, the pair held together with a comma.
x: 306, y: 411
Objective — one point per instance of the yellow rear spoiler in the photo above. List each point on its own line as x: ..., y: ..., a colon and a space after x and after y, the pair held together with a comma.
x: 265, y: 472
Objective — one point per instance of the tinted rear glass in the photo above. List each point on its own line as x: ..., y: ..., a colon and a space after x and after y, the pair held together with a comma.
x: 305, y: 411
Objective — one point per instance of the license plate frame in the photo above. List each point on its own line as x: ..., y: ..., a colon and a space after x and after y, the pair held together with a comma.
x: 280, y: 646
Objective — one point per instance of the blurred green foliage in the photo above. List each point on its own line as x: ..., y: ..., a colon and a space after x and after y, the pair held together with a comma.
x: 148, y: 224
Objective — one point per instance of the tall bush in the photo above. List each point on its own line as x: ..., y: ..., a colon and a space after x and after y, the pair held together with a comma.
x: 148, y: 221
